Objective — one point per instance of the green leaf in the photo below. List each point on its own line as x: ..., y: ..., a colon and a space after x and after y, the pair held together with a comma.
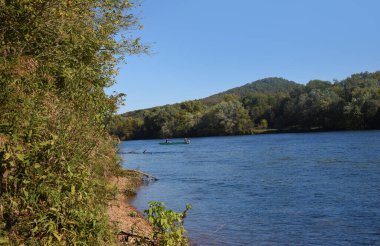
x: 26, y: 194
x: 20, y: 156
x: 4, y: 241
x: 45, y: 143
x: 56, y: 235
x: 35, y: 229
x: 7, y: 156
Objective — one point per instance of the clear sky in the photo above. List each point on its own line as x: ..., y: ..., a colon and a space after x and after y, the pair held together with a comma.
x: 201, y: 47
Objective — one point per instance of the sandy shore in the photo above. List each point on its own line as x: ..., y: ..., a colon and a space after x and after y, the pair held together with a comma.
x: 124, y: 217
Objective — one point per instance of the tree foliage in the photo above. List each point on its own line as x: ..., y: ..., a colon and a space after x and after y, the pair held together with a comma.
x: 273, y: 103
x: 55, y: 153
x: 167, y: 224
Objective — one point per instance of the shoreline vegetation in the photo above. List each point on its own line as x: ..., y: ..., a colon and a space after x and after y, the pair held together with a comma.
x: 61, y: 179
x: 271, y: 105
x: 58, y: 162
x: 156, y: 226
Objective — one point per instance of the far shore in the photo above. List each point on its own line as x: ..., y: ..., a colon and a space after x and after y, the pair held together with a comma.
x: 262, y: 132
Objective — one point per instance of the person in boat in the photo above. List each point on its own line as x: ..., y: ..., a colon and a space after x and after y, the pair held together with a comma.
x: 167, y: 141
x: 186, y: 140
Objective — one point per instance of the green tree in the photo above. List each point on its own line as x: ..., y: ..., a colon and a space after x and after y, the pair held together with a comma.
x: 317, y: 108
x: 159, y: 123
x: 56, y: 57
x: 192, y: 106
x: 167, y: 224
x: 263, y: 124
x: 226, y: 118
x: 318, y: 84
x: 352, y: 103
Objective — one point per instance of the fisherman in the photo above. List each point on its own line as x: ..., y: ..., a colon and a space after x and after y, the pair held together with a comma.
x: 186, y: 140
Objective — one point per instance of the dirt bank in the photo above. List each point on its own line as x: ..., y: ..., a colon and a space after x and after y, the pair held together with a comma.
x: 126, y: 219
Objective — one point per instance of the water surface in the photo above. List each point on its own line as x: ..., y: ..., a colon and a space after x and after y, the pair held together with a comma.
x: 279, y: 189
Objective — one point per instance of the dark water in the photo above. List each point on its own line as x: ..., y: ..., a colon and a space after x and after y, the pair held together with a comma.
x: 280, y: 189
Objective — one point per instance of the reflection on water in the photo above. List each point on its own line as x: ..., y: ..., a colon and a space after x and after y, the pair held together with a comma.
x: 297, y: 189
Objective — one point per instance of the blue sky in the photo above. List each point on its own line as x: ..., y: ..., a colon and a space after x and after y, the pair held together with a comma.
x: 201, y: 47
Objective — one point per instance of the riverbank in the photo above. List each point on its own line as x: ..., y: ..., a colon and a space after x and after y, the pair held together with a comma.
x: 259, y: 132
x: 129, y: 223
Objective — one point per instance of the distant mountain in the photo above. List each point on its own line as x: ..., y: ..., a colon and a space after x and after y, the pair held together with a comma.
x: 267, y: 85
x: 270, y: 85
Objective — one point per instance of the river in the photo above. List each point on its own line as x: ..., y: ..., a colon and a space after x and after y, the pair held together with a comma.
x: 274, y: 189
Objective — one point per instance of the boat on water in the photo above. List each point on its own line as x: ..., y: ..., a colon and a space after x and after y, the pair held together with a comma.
x: 172, y: 143
x: 167, y: 142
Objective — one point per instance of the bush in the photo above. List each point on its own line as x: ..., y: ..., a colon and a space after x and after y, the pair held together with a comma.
x: 56, y: 58
x: 167, y: 224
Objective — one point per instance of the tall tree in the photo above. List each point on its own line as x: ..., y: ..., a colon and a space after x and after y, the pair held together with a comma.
x: 55, y: 59
x: 226, y: 118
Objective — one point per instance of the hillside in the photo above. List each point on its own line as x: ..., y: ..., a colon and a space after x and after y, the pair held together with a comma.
x: 270, y: 103
x: 270, y: 85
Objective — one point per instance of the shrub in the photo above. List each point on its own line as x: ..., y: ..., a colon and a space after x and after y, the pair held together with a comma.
x: 167, y: 224
x: 56, y: 58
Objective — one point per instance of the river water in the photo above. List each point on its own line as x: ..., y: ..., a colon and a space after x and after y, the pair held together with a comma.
x: 277, y: 189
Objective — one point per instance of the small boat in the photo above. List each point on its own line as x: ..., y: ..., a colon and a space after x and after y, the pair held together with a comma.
x: 172, y: 143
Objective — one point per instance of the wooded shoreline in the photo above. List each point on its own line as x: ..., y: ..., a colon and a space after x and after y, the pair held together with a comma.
x: 261, y: 106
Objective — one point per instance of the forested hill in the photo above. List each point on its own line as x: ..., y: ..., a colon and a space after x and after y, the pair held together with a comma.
x: 271, y: 103
x: 267, y: 86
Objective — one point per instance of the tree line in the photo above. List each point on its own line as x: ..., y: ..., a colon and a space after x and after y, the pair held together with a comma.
x: 272, y: 104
